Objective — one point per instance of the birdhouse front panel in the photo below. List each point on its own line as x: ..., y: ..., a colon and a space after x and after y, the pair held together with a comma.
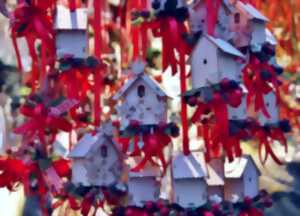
x: 228, y: 67
x: 79, y: 172
x: 190, y: 192
x: 103, y: 164
x: 144, y: 105
x: 271, y: 105
x: 233, y: 188
x: 251, y: 180
x: 204, y: 64
x: 142, y: 189
x: 258, y: 32
x: 197, y: 18
x: 240, y: 112
x: 71, y: 43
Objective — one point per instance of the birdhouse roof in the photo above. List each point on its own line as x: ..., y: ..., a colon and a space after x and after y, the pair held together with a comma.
x: 252, y: 11
x: 149, y: 82
x: 187, y: 166
x: 225, y: 46
x: 214, y: 178
x: 70, y: 20
x: 87, y: 142
x: 237, y: 168
x: 148, y: 170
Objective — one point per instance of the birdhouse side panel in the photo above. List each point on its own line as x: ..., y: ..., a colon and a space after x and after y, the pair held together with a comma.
x: 228, y: 67
x: 142, y: 189
x: 233, y: 188
x: 71, y: 43
x: 79, y: 172
x: 142, y: 104
x: 258, y: 32
x: 240, y: 112
x: 272, y: 107
x: 251, y: 180
x: 204, y: 64
x: 190, y: 192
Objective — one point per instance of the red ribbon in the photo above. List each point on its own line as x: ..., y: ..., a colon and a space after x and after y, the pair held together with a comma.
x: 212, y: 12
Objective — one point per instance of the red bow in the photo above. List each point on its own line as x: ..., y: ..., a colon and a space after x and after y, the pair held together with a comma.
x: 39, y: 121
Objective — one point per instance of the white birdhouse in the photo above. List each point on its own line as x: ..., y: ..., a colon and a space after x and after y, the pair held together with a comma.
x: 271, y: 105
x: 241, y: 178
x: 161, y: 5
x: 219, y: 61
x: 71, y: 32
x: 96, y: 160
x: 189, y: 184
x: 249, y: 18
x: 198, y: 18
x: 240, y: 112
x: 143, y: 186
x: 141, y: 99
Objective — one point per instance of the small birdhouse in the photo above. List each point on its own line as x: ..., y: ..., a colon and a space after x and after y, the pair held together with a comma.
x: 141, y: 99
x: 240, y: 112
x: 96, y: 160
x: 241, y: 178
x: 189, y: 184
x: 143, y: 186
x: 219, y: 61
x: 198, y: 18
x: 167, y: 5
x: 71, y: 32
x: 248, y: 17
x: 270, y: 101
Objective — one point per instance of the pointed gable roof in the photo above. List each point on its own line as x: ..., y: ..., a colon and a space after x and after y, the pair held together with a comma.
x: 66, y: 19
x: 187, y: 166
x: 152, y: 84
x: 252, y: 11
x: 237, y: 168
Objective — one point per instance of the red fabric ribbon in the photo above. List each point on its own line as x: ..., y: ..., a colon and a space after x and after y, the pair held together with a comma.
x: 212, y: 12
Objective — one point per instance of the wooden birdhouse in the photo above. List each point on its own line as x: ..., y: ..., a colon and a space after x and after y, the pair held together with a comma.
x: 241, y: 178
x: 249, y: 18
x: 215, y: 178
x: 189, y: 184
x: 167, y: 5
x: 240, y: 112
x: 97, y: 159
x: 141, y: 99
x: 271, y: 105
x: 143, y: 186
x: 71, y: 32
x: 219, y: 61
x: 198, y: 18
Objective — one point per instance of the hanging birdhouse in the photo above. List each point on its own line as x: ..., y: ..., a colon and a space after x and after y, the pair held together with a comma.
x: 71, y: 32
x: 241, y: 178
x: 143, y: 186
x: 141, y: 100
x: 189, y: 184
x: 239, y: 112
x: 219, y: 61
x: 270, y: 101
x: 96, y: 160
x: 247, y: 18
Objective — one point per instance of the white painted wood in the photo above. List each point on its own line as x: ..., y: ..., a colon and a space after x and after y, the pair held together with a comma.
x: 240, y: 112
x: 258, y: 34
x: 71, y: 43
x: 65, y: 19
x: 142, y: 189
x: 190, y: 192
x: 272, y: 107
x: 250, y: 178
x: 228, y: 67
x: 197, y: 18
x: 79, y: 172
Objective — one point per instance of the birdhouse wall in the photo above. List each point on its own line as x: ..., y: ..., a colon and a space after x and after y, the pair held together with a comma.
x: 79, y: 172
x: 204, y: 64
x: 146, y: 107
x: 233, y: 187
x: 190, y: 192
x: 197, y: 19
x: 142, y: 189
x: 272, y: 107
x: 215, y: 190
x: 251, y: 181
x: 228, y: 67
x: 258, y: 32
x: 71, y: 42
x: 240, y: 112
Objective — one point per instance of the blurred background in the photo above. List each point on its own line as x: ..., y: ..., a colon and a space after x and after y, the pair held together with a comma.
x: 282, y: 181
